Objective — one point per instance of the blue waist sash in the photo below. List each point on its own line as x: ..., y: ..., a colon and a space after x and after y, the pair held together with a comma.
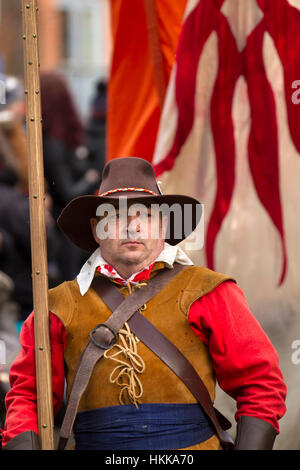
x: 161, y: 426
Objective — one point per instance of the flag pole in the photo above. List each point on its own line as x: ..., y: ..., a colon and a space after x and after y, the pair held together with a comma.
x: 37, y: 224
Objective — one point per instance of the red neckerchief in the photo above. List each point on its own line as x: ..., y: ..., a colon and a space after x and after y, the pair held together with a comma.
x: 109, y: 271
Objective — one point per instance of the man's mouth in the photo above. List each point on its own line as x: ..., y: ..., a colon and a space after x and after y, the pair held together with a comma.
x: 132, y: 242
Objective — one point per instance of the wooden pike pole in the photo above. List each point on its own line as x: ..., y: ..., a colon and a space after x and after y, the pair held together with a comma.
x: 37, y: 225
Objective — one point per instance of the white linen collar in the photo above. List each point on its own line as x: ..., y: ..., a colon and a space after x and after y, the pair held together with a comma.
x: 168, y: 255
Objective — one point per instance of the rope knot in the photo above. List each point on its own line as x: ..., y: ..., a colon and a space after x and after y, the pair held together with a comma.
x: 125, y: 374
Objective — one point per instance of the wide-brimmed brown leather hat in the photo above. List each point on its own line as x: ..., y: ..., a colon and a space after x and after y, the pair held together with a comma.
x: 134, y: 178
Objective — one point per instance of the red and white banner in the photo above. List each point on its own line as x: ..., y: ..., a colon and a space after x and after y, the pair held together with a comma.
x: 229, y: 135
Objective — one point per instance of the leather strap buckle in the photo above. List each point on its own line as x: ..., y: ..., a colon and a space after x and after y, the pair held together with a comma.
x: 99, y: 345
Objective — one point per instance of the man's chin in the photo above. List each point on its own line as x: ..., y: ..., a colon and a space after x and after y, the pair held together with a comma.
x: 133, y: 255
x: 133, y: 258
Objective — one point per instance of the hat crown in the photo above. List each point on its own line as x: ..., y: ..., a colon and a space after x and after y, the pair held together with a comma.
x: 128, y: 172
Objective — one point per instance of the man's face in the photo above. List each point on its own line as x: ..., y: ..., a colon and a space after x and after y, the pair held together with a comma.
x: 133, y: 237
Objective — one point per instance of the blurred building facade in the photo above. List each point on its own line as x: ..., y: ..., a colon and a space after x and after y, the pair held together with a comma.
x: 74, y: 38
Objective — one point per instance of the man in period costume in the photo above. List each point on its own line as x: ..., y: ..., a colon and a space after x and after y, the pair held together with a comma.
x: 139, y: 395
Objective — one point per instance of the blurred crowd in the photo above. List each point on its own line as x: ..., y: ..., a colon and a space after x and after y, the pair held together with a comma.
x: 74, y: 156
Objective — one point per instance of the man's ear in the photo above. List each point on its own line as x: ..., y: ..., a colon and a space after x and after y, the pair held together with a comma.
x: 94, y: 223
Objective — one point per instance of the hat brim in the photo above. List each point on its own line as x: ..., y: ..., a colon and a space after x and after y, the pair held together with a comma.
x: 74, y: 220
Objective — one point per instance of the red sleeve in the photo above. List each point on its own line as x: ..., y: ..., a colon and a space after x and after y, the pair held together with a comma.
x: 244, y: 360
x: 21, y: 399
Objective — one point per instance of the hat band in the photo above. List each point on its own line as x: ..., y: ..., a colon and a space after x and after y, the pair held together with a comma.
x: 128, y: 189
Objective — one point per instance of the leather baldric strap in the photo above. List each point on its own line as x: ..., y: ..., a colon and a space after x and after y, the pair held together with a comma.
x: 103, y: 336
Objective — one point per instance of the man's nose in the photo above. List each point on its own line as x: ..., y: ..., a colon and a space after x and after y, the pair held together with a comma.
x: 133, y: 223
